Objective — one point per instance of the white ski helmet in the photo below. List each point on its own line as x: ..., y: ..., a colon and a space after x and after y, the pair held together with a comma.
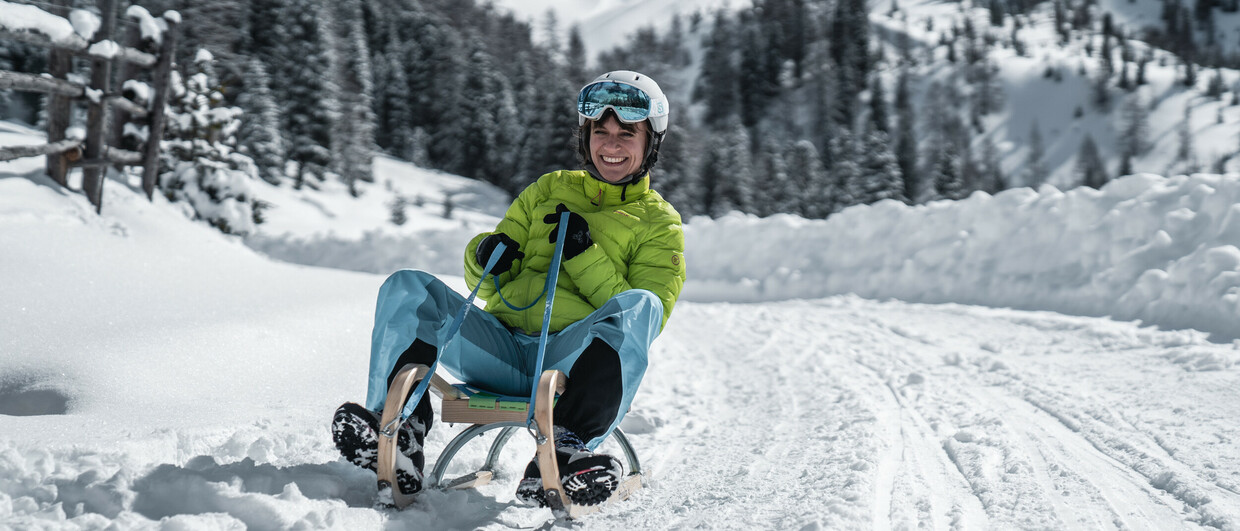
x: 595, y: 98
x: 633, y: 97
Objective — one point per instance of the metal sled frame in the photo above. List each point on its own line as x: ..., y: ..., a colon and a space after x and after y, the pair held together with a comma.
x: 484, y: 412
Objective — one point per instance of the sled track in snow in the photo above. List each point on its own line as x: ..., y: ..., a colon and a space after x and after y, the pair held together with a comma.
x: 893, y: 415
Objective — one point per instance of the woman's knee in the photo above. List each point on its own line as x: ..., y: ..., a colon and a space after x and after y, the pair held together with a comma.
x: 640, y: 300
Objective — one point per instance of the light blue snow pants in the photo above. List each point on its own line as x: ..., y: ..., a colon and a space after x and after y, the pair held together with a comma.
x: 486, y: 354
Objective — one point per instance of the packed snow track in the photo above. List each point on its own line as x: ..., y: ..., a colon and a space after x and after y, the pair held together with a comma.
x: 845, y: 413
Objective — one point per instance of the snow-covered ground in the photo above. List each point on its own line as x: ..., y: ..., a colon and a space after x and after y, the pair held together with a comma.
x: 155, y: 374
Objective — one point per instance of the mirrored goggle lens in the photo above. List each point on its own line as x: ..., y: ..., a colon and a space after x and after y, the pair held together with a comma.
x: 630, y: 103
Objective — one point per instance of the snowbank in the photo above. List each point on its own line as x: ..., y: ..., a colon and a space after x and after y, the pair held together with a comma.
x: 1161, y: 250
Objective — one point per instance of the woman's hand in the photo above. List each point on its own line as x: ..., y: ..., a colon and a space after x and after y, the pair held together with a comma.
x: 487, y: 246
x: 576, y: 238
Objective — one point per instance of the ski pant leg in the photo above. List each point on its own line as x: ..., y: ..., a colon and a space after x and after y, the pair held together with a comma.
x: 605, y: 357
x: 412, y: 317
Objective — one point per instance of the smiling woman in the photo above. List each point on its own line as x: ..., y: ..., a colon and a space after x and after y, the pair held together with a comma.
x: 623, y: 269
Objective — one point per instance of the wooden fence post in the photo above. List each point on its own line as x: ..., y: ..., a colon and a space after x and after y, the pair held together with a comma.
x: 97, y: 116
x: 161, y: 78
x: 58, y: 65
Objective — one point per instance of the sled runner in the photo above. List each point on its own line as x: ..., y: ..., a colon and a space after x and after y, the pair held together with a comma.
x: 483, y: 412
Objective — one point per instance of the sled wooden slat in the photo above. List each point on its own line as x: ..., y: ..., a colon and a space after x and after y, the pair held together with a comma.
x: 459, y: 410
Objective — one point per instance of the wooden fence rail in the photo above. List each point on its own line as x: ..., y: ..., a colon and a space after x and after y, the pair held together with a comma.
x: 105, y: 104
x: 78, y: 46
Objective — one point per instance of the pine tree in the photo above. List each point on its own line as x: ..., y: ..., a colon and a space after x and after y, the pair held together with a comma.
x: 1089, y: 166
x: 879, y: 120
x: 674, y: 176
x: 575, y: 59
x: 735, y: 190
x: 717, y: 86
x: 311, y: 106
x: 988, y: 95
x: 1133, y: 132
x: 905, y: 137
x: 398, y: 215
x: 395, y: 118
x: 505, y: 141
x: 1035, y: 167
x: 1186, y: 153
x: 846, y: 187
x: 945, y: 159
x: 776, y: 193
x: 475, y: 133
x: 1217, y: 86
x: 756, y: 86
x: 267, y: 34
x: 992, y: 180
x: 810, y: 179
x: 259, y: 136
x: 880, y: 170
x: 1101, y: 90
x: 996, y: 12
x: 546, y: 119
x: 947, y: 175
x: 357, y: 119
x: 823, y: 95
x: 200, y: 164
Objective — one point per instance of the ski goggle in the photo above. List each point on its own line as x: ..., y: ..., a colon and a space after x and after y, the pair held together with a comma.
x: 630, y: 103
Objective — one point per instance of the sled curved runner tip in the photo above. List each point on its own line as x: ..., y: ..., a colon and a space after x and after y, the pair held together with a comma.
x: 483, y: 412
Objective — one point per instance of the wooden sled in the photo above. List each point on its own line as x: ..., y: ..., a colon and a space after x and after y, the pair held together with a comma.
x: 484, y: 412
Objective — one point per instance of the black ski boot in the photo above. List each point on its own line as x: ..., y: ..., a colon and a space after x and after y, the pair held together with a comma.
x: 588, y: 478
x: 355, y: 430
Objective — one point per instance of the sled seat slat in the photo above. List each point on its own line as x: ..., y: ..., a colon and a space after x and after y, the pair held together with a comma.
x: 470, y: 405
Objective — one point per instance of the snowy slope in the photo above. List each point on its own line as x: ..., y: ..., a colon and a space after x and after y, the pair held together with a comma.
x: 606, y: 24
x: 1027, y: 96
x: 157, y: 374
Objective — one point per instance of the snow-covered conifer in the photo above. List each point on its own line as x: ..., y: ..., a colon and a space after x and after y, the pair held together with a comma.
x: 675, y: 176
x: 1035, y: 166
x: 906, y: 137
x: 199, y: 163
x: 394, y: 102
x: 880, y: 172
x: 775, y: 193
x: 846, y: 178
x: 356, y: 126
x: 259, y: 136
x: 1089, y: 166
x: 990, y: 172
x: 810, y: 179
x: 312, y: 105
x: 732, y: 166
x: 879, y: 120
x: 1134, y: 129
x: 716, y: 86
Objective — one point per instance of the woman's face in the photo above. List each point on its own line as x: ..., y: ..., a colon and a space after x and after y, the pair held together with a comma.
x: 617, y: 148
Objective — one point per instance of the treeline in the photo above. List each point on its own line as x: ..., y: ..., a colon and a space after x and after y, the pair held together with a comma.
x: 447, y: 84
x: 796, y: 106
x: 797, y: 116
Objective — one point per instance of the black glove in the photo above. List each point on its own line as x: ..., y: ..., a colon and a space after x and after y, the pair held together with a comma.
x: 576, y: 237
x: 487, y: 246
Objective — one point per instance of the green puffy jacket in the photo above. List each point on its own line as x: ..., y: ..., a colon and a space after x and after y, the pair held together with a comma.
x: 638, y: 243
